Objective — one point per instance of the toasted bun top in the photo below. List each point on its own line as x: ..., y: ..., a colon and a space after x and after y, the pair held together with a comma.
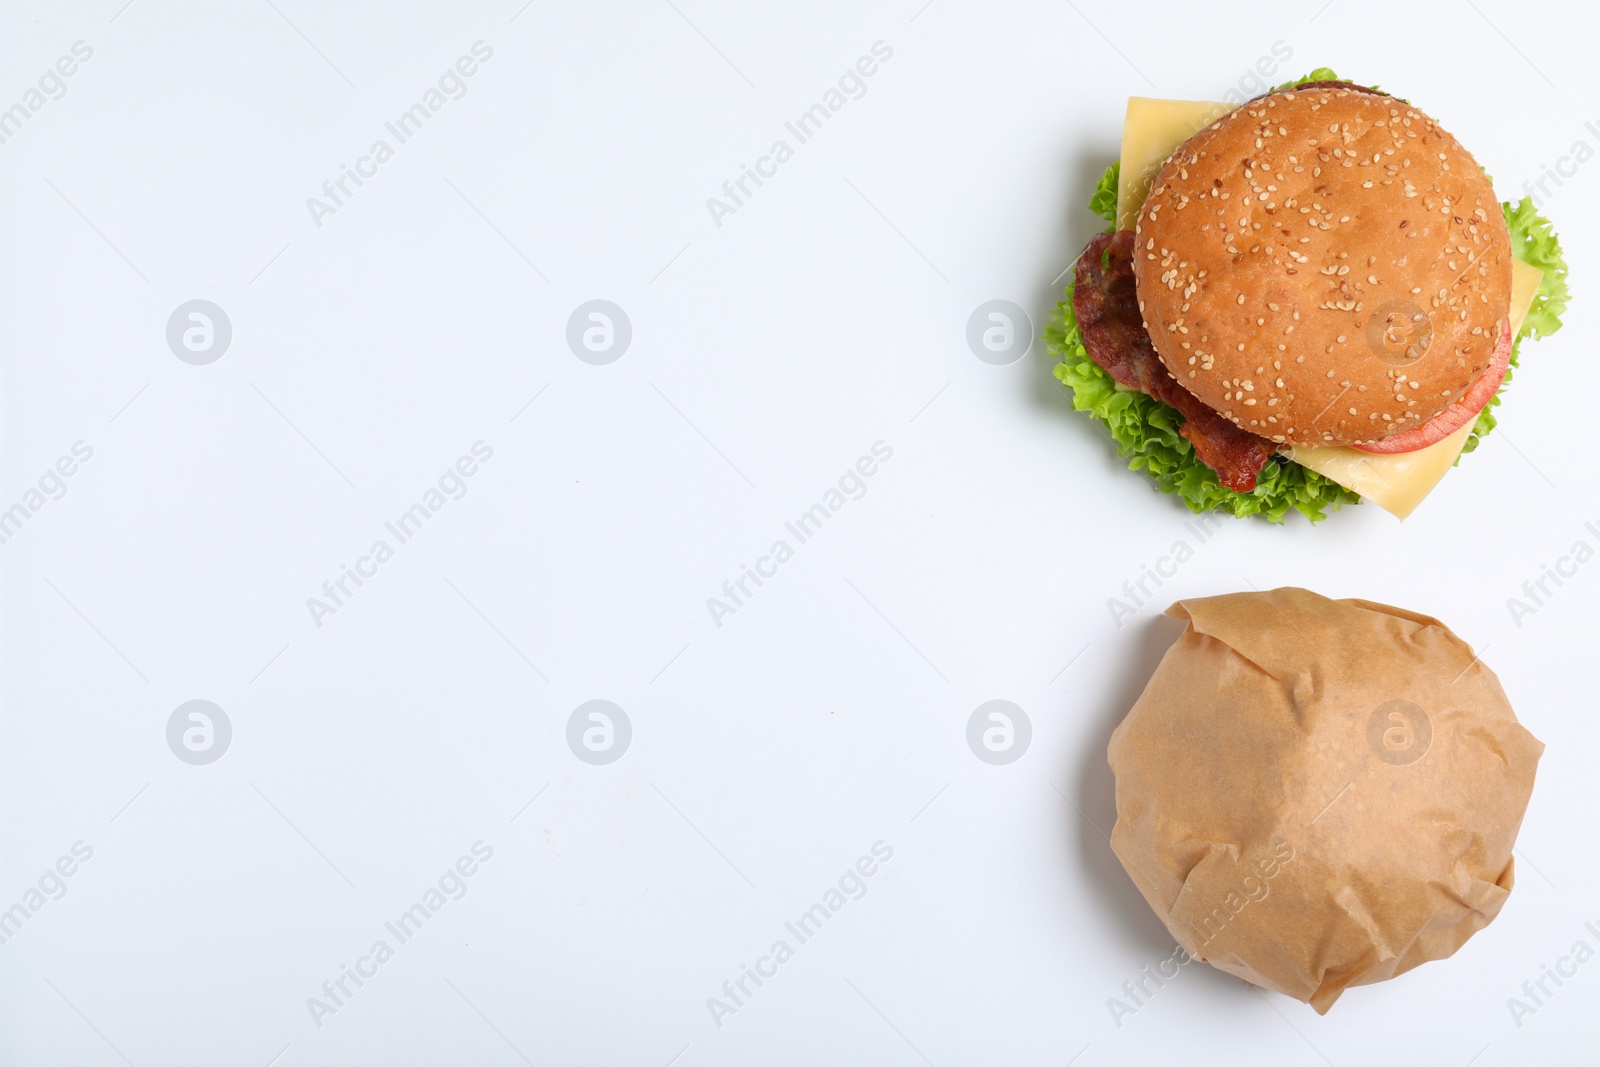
x: 1324, y: 266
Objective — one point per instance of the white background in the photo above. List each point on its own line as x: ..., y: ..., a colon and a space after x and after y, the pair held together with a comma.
x: 768, y: 354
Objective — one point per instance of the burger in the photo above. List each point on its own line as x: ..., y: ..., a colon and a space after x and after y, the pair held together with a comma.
x: 1314, y: 794
x: 1307, y: 300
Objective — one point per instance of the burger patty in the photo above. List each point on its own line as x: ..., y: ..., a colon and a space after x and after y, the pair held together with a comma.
x: 1106, y: 302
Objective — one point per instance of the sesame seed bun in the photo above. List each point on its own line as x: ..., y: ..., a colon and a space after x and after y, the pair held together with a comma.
x: 1324, y: 266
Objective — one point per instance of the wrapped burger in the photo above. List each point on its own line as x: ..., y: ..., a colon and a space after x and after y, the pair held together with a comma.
x: 1314, y: 794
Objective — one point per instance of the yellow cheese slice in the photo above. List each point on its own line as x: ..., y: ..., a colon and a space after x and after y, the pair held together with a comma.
x: 1152, y: 131
x: 1396, y: 483
x: 1525, y: 280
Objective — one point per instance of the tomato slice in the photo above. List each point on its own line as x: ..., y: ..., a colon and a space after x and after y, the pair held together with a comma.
x: 1456, y: 415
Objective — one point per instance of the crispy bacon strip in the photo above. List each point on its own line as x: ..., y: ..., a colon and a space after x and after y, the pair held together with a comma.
x: 1107, y: 305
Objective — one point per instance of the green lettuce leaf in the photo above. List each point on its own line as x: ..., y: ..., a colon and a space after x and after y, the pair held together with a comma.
x: 1145, y: 431
x: 1104, y: 200
x: 1321, y: 74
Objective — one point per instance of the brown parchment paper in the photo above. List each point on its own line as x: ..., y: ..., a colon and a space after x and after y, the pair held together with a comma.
x: 1314, y: 794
